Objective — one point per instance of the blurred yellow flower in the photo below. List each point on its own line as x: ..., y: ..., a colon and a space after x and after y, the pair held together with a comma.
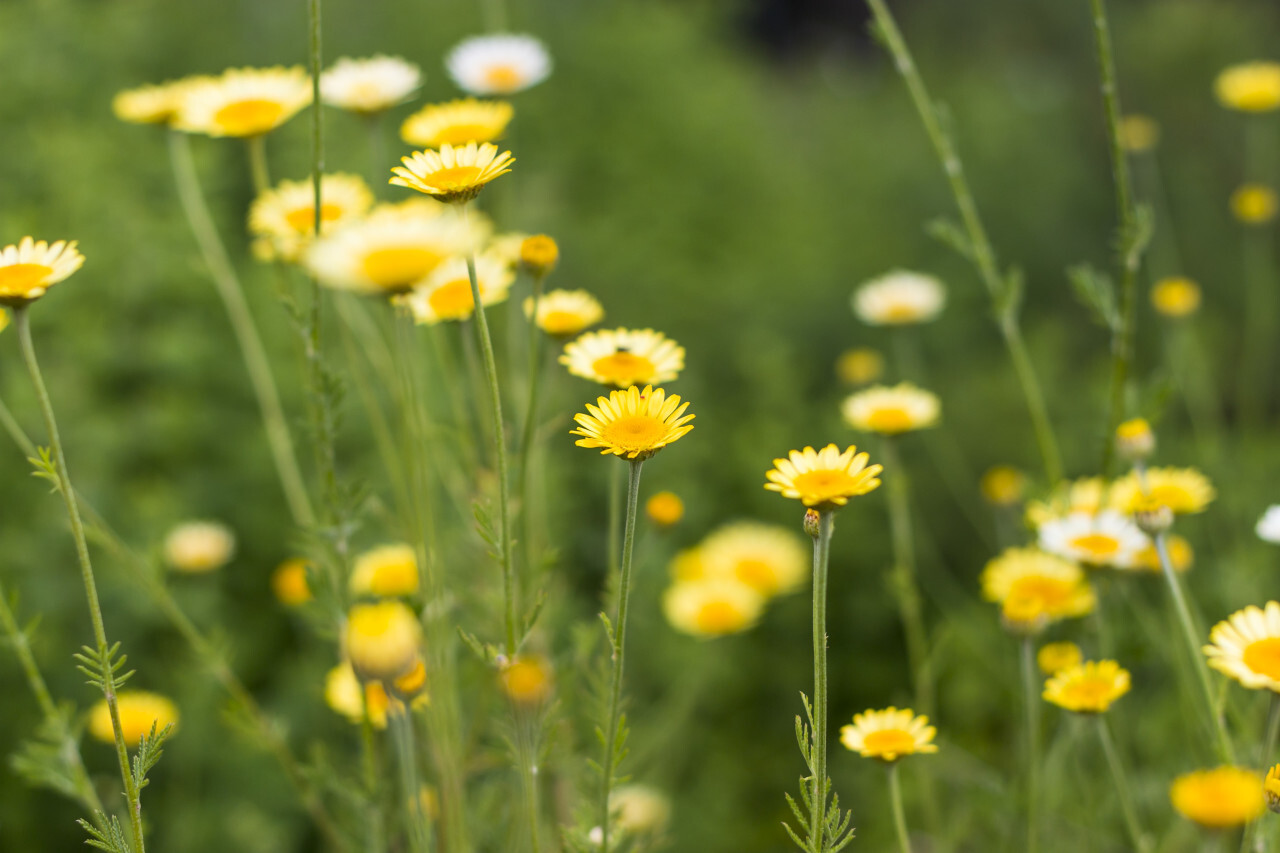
x: 1181, y: 555
x: 825, y: 478
x: 4, y: 319
x: 664, y: 508
x: 539, y: 254
x: 382, y: 640
x: 633, y: 423
x: 1055, y: 657
x: 1176, y: 297
x: 452, y: 174
x: 1040, y: 585
x: 1087, y: 494
x: 624, y: 357
x: 445, y: 294
x: 369, y: 86
x: 771, y: 560
x: 1087, y: 688
x: 199, y: 546
x: 1246, y: 647
x: 1134, y: 439
x: 891, y: 411
x: 285, y: 216
x: 889, y: 735
x: 640, y: 809
x: 343, y: 694
x: 565, y: 313
x: 527, y: 680
x: 1105, y: 538
x: 688, y: 565
x: 243, y: 101
x: 899, y: 298
x: 500, y: 64
x: 289, y: 582
x: 1003, y: 485
x: 859, y: 366
x: 1254, y: 204
x: 1183, y: 490
x: 139, y: 710
x: 457, y: 123
x: 712, y: 607
x: 387, y: 571
x: 1139, y: 133
x: 1251, y: 87
x: 1220, y: 798
x: 152, y: 104
x: 28, y: 269
x: 1271, y: 788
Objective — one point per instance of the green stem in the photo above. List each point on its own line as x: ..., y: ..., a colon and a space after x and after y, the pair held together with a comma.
x: 375, y: 831
x: 103, y: 649
x: 495, y: 16
x: 1268, y: 748
x: 526, y: 757
x: 376, y: 124
x: 1031, y: 701
x: 251, y: 348
x: 1123, y: 790
x: 618, y: 640
x: 818, y: 790
x: 906, y: 589
x: 899, y: 817
x: 530, y: 428
x: 980, y: 251
x: 258, y: 169
x: 615, y: 520
x: 401, y: 724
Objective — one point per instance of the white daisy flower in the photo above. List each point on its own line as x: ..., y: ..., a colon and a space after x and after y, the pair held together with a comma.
x: 899, y: 298
x: 1106, y: 538
x: 369, y: 85
x: 498, y: 64
x: 1268, y: 528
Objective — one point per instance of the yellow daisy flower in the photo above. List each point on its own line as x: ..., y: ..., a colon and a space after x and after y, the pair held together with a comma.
x: 633, y: 423
x: 1139, y: 133
x: 1254, y: 204
x: 771, y: 560
x: 664, y: 508
x: 1087, y: 495
x: 1183, y: 490
x: 823, y: 478
x: 1049, y: 586
x: 1087, y: 688
x: 1251, y: 87
x: 1220, y: 798
x: 1176, y: 297
x: 28, y: 269
x: 624, y: 357
x: 343, y: 694
x: 243, y: 101
x: 498, y: 64
x: 1181, y: 555
x: 1246, y: 647
x: 446, y: 293
x: 152, y: 104
x: 1003, y: 485
x: 891, y: 411
x: 899, y: 298
x: 369, y: 86
x: 527, y: 680
x: 1052, y: 658
x: 889, y: 735
x: 859, y: 366
x: 139, y: 710
x: 286, y: 215
x: 457, y: 123
x: 199, y: 546
x: 382, y: 639
x: 452, y: 174
x: 712, y: 607
x: 387, y: 571
x: 539, y: 254
x: 289, y: 582
x: 565, y: 313
x: 1271, y: 788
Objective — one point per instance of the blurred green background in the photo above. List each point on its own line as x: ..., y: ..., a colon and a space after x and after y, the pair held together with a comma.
x: 706, y: 184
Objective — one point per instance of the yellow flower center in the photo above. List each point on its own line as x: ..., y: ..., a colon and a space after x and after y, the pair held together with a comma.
x: 1096, y: 546
x: 526, y: 681
x: 758, y: 574
x: 1087, y: 693
x: 249, y: 117
x: 634, y: 432
x: 624, y: 369
x: 303, y: 220
x: 889, y: 742
x: 452, y: 300
x: 1044, y: 593
x: 1174, y: 497
x: 1263, y: 657
x: 21, y: 279
x: 461, y: 134
x: 503, y: 78
x: 823, y: 484
x: 399, y: 268
x: 453, y: 178
x: 718, y: 617
x: 561, y: 322
x: 891, y: 419
x: 902, y: 312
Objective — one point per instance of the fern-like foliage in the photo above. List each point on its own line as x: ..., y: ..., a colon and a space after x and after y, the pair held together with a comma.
x: 106, y: 833
x: 103, y: 666
x: 836, y: 830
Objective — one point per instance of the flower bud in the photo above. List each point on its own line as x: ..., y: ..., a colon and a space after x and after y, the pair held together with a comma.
x: 539, y: 254
x: 1135, y: 440
x: 812, y: 518
x: 383, y: 640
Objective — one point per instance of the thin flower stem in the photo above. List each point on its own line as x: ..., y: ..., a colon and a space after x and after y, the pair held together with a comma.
x: 1031, y: 701
x: 899, y: 816
x: 376, y: 125
x: 259, y: 172
x: 527, y: 758
x: 906, y: 589
x: 1131, y: 822
x: 22, y: 322
x: 530, y: 429
x: 251, y: 348
x: 618, y: 639
x: 375, y: 829
x: 401, y: 724
x: 614, y: 520
x: 821, y: 563
x: 1251, y: 829
x: 979, y: 249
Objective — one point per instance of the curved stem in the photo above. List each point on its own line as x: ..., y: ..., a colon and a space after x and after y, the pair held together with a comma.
x: 104, y: 650
x: 903, y: 579
x: 1131, y: 821
x: 899, y: 818
x: 821, y: 562
x: 618, y: 640
x: 1031, y: 699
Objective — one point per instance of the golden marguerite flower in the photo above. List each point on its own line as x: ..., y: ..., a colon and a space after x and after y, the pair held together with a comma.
x: 1246, y: 647
x: 824, y: 478
x: 1052, y: 658
x: 712, y: 607
x: 633, y: 423
x: 771, y: 560
x: 286, y: 214
x: 382, y: 639
x: 1087, y: 688
x: 1105, y: 538
x: 1271, y: 788
x: 446, y: 293
x: 1003, y: 485
x: 899, y: 298
x: 1254, y: 204
x: 150, y: 104
x: 527, y: 680
x: 369, y: 86
x: 565, y: 313
x: 457, y: 123
x: 498, y: 64
x: 664, y: 508
x: 889, y: 735
x: 139, y: 711
x: 1176, y: 297
x: 1251, y: 87
x: 891, y: 411
x: 1134, y: 439
x: 1181, y: 555
x: 243, y: 101
x: 344, y: 694
x: 539, y: 254
x: 452, y: 174
x: 199, y: 546
x: 289, y: 582
x: 859, y: 366
x: 1041, y: 584
x: 1219, y: 798
x: 28, y: 269
x: 1139, y: 133
x: 624, y: 357
x: 1183, y: 490
x: 386, y: 572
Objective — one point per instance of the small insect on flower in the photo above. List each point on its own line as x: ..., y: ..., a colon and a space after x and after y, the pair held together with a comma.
x: 445, y: 294
x: 498, y: 64
x: 891, y: 411
x: 624, y: 357
x: 1219, y: 798
x: 28, y: 269
x: 1246, y: 647
x: 1176, y: 297
x: 386, y: 572
x: 712, y: 606
x: 632, y: 423
x: 824, y: 479
x: 199, y: 546
x: 1087, y: 688
x: 243, y: 102
x: 664, y: 509
x: 1254, y: 204
x: 452, y: 175
x: 1250, y: 87
x: 457, y: 123
x: 565, y: 313
x: 369, y: 86
x: 139, y: 710
x: 289, y: 582
x: 899, y: 298
x: 889, y: 735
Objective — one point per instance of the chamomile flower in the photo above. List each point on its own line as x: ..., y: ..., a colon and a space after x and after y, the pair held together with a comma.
x: 565, y: 313
x: 1044, y: 586
x: 498, y: 64
x: 825, y: 478
x: 452, y: 174
x: 1106, y: 538
x: 664, y: 508
x: 889, y: 735
x: 712, y: 607
x: 457, y: 123
x: 891, y: 411
x: 624, y: 357
x: 527, y: 680
x: 369, y: 86
x: 1268, y: 526
x: 382, y: 640
x: 243, y: 101
x: 446, y: 293
x: 1088, y: 494
x: 899, y: 298
x: 1254, y: 204
x: 632, y: 423
x: 28, y: 269
x: 1087, y: 688
x: 1246, y: 647
x: 199, y: 546
x: 286, y: 215
x: 769, y: 559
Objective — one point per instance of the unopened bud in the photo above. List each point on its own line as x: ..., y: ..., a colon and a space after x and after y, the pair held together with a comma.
x: 811, y: 520
x: 1153, y: 517
x: 1135, y: 440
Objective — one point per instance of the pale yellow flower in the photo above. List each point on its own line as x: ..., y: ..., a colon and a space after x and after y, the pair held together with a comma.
x: 1088, y: 495
x: 199, y: 546
x: 1183, y: 490
x: 712, y: 607
x: 624, y: 357
x: 1246, y: 647
x: 28, y: 269
x: 565, y: 313
x: 889, y: 735
x: 899, y: 298
x: 289, y: 582
x: 150, y: 104
x: 1134, y: 439
x: 527, y: 680
x: 664, y: 508
x: 1251, y: 87
x: 139, y: 711
x: 243, y: 101
x: 344, y: 694
x: 539, y: 254
x: 640, y: 809
x: 1003, y: 485
x: 1087, y: 688
x: 457, y: 123
x: 1055, y: 657
x: 632, y: 423
x: 452, y: 174
x: 1220, y: 798
x: 1138, y: 133
x: 446, y: 293
x: 891, y: 411
x: 369, y: 86
x: 859, y: 366
x: 1040, y: 584
x: 286, y: 215
x: 498, y: 64
x: 387, y: 571
x: 382, y: 640
x: 823, y: 478
x: 1176, y: 297
x: 771, y: 560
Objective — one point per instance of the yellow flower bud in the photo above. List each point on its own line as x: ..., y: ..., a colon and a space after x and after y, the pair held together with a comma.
x: 1254, y: 204
x: 539, y: 254
x: 664, y: 509
x: 289, y: 582
x: 383, y: 640
x: 1176, y: 297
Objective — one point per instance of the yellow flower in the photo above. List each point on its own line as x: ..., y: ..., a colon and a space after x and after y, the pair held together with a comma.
x: 243, y: 101
x: 1139, y: 133
x: 527, y: 680
x: 712, y: 607
x: 823, y: 478
x: 1246, y: 647
x: 891, y: 411
x: 446, y: 292
x: 1003, y: 485
x: 152, y: 104
x: 452, y: 174
x: 1183, y: 490
x: 1087, y: 495
x: 498, y: 64
x: 624, y: 357
x: 1251, y: 87
x: 899, y: 298
x: 1134, y: 439
x: 1176, y: 297
x: 1271, y: 788
x: 289, y: 582
x: 457, y: 123
x: 1181, y: 555
x: 1055, y: 657
x: 889, y: 735
x: 286, y: 215
x: 1254, y: 204
x: 565, y: 313
x: 388, y: 571
x: 640, y: 809
x: 369, y: 86
x: 4, y: 319
x: 538, y: 254
x: 859, y: 366
x: 199, y: 546
x: 1088, y: 688
x: 1039, y: 584
x: 1220, y: 798
x: 633, y: 423
x: 28, y: 269
x: 771, y: 560
x: 139, y: 710
x: 1105, y: 538
x: 343, y: 694
x: 664, y: 508
x: 382, y: 640
x: 688, y: 565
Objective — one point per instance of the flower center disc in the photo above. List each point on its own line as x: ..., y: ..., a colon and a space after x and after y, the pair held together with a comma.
x: 901, y: 313
x: 1263, y: 657
x: 1097, y: 546
x: 1175, y: 498
x: 823, y: 484
x: 400, y: 267
x: 1088, y: 693
x: 718, y: 617
x: 249, y: 117
x: 503, y: 78
x: 890, y: 419
x: 452, y: 300
x: 889, y: 743
x: 453, y: 178
x: 20, y: 279
x: 1046, y: 593
x: 634, y: 432
x: 303, y: 220
x: 461, y: 134
x: 624, y: 369
x: 561, y: 323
